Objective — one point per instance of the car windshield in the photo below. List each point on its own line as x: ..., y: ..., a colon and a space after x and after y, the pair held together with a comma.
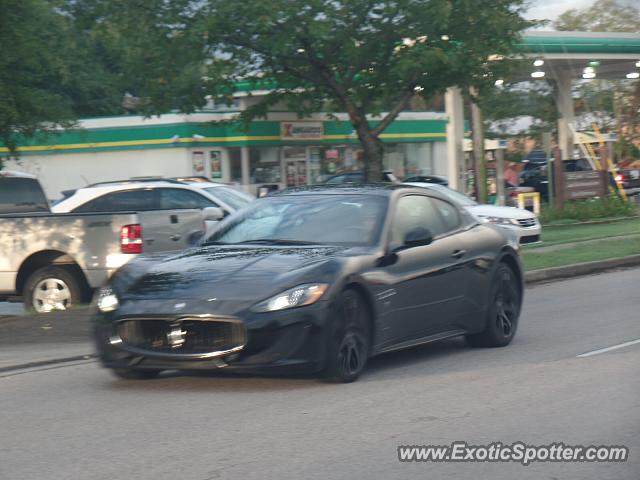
x: 232, y: 198
x: 457, y: 197
x: 306, y: 219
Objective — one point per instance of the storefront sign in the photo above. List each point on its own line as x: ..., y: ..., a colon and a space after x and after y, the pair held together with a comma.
x: 301, y: 130
x: 585, y: 184
x: 197, y: 159
x: 215, y: 161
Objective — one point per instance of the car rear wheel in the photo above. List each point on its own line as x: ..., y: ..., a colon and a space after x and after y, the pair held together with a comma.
x: 52, y: 288
x: 133, y: 374
x: 349, y: 339
x: 503, y: 311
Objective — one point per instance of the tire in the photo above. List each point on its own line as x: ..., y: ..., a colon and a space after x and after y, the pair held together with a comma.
x: 133, y: 374
x: 349, y: 339
x: 503, y: 312
x: 52, y: 288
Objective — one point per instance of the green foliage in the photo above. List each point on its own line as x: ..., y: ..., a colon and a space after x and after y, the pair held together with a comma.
x: 47, y: 76
x: 602, y: 16
x: 364, y: 57
x: 589, y: 209
x: 156, y: 51
x: 33, y: 75
x: 503, y: 106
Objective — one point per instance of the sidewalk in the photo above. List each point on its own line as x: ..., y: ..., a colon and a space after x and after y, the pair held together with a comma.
x: 33, y: 340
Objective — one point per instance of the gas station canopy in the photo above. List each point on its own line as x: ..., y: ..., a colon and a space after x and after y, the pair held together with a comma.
x: 582, y: 55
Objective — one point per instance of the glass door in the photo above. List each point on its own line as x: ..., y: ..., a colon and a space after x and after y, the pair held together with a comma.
x: 296, y: 171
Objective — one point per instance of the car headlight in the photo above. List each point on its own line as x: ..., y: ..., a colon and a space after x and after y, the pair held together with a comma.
x: 294, y: 297
x: 500, y: 220
x: 107, y: 300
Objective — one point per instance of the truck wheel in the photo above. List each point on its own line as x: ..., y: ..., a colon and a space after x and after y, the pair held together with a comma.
x: 52, y: 288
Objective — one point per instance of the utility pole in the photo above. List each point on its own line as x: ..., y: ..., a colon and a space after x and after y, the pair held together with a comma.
x: 479, y: 161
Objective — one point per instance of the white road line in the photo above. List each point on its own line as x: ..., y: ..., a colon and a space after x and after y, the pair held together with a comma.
x: 608, y: 349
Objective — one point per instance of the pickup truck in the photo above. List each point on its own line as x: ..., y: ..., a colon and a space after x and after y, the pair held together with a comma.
x: 54, y: 261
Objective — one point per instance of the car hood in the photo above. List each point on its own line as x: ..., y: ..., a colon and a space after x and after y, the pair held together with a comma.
x: 218, y: 274
x: 496, y: 211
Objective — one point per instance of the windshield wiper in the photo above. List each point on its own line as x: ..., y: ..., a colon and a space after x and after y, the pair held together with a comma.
x: 279, y: 241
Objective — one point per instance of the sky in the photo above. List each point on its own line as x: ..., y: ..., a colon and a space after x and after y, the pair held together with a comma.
x: 551, y: 9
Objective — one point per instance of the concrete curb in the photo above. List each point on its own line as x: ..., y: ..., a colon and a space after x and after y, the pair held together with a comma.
x: 42, y: 363
x: 557, y: 273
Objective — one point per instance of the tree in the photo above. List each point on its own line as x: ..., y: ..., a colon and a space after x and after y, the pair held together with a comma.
x: 365, y: 57
x: 31, y: 71
x: 60, y: 60
x: 154, y: 52
x: 602, y: 16
x: 47, y: 77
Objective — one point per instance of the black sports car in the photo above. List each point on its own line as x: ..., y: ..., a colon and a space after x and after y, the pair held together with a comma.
x: 316, y: 279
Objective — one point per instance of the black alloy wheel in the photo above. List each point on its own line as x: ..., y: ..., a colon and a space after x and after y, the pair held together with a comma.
x: 503, y: 312
x: 349, y: 339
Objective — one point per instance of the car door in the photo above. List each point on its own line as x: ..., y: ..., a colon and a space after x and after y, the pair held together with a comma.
x: 184, y: 208
x: 427, y: 281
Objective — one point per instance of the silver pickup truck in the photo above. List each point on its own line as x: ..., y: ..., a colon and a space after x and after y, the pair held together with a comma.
x: 54, y: 261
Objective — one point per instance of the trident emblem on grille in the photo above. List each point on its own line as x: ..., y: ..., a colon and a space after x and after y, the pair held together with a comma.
x: 176, y: 335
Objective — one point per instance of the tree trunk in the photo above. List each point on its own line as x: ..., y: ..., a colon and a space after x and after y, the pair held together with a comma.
x: 373, y: 152
x: 370, y: 142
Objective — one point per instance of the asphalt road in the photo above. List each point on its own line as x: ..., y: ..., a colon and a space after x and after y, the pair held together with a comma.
x: 79, y: 422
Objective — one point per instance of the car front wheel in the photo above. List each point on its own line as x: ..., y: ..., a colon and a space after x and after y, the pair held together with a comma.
x: 348, y: 340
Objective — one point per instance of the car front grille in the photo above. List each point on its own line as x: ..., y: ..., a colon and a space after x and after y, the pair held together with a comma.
x: 198, y: 336
x: 527, y: 222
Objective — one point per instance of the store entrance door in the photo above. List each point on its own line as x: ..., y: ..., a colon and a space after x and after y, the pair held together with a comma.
x: 296, y: 173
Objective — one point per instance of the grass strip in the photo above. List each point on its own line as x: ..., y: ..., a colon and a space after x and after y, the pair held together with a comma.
x: 601, y: 250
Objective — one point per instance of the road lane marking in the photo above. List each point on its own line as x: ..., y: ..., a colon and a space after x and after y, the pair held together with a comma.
x: 608, y: 349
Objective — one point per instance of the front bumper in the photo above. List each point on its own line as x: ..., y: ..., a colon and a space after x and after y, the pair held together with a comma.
x: 525, y: 234
x: 287, y: 342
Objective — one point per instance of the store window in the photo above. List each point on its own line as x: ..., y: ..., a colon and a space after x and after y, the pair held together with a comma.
x: 235, y: 164
x: 335, y: 160
x: 264, y: 165
x: 409, y: 159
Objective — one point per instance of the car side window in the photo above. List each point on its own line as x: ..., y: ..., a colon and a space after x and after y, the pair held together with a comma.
x: 20, y: 195
x: 128, y: 201
x: 415, y: 211
x: 180, y: 199
x: 449, y: 213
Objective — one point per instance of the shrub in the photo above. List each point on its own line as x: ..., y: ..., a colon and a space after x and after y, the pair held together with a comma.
x: 588, y: 209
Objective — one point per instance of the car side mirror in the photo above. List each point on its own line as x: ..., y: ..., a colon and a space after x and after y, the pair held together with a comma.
x: 417, y: 237
x: 212, y: 213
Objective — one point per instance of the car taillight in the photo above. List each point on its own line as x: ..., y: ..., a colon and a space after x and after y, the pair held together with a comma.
x: 131, y: 239
x: 619, y: 178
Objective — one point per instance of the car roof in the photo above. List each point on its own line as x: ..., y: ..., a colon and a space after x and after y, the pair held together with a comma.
x: 16, y: 174
x: 381, y: 189
x: 85, y: 194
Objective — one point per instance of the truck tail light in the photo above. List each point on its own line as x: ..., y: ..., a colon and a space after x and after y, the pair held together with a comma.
x: 131, y: 239
x: 619, y: 178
